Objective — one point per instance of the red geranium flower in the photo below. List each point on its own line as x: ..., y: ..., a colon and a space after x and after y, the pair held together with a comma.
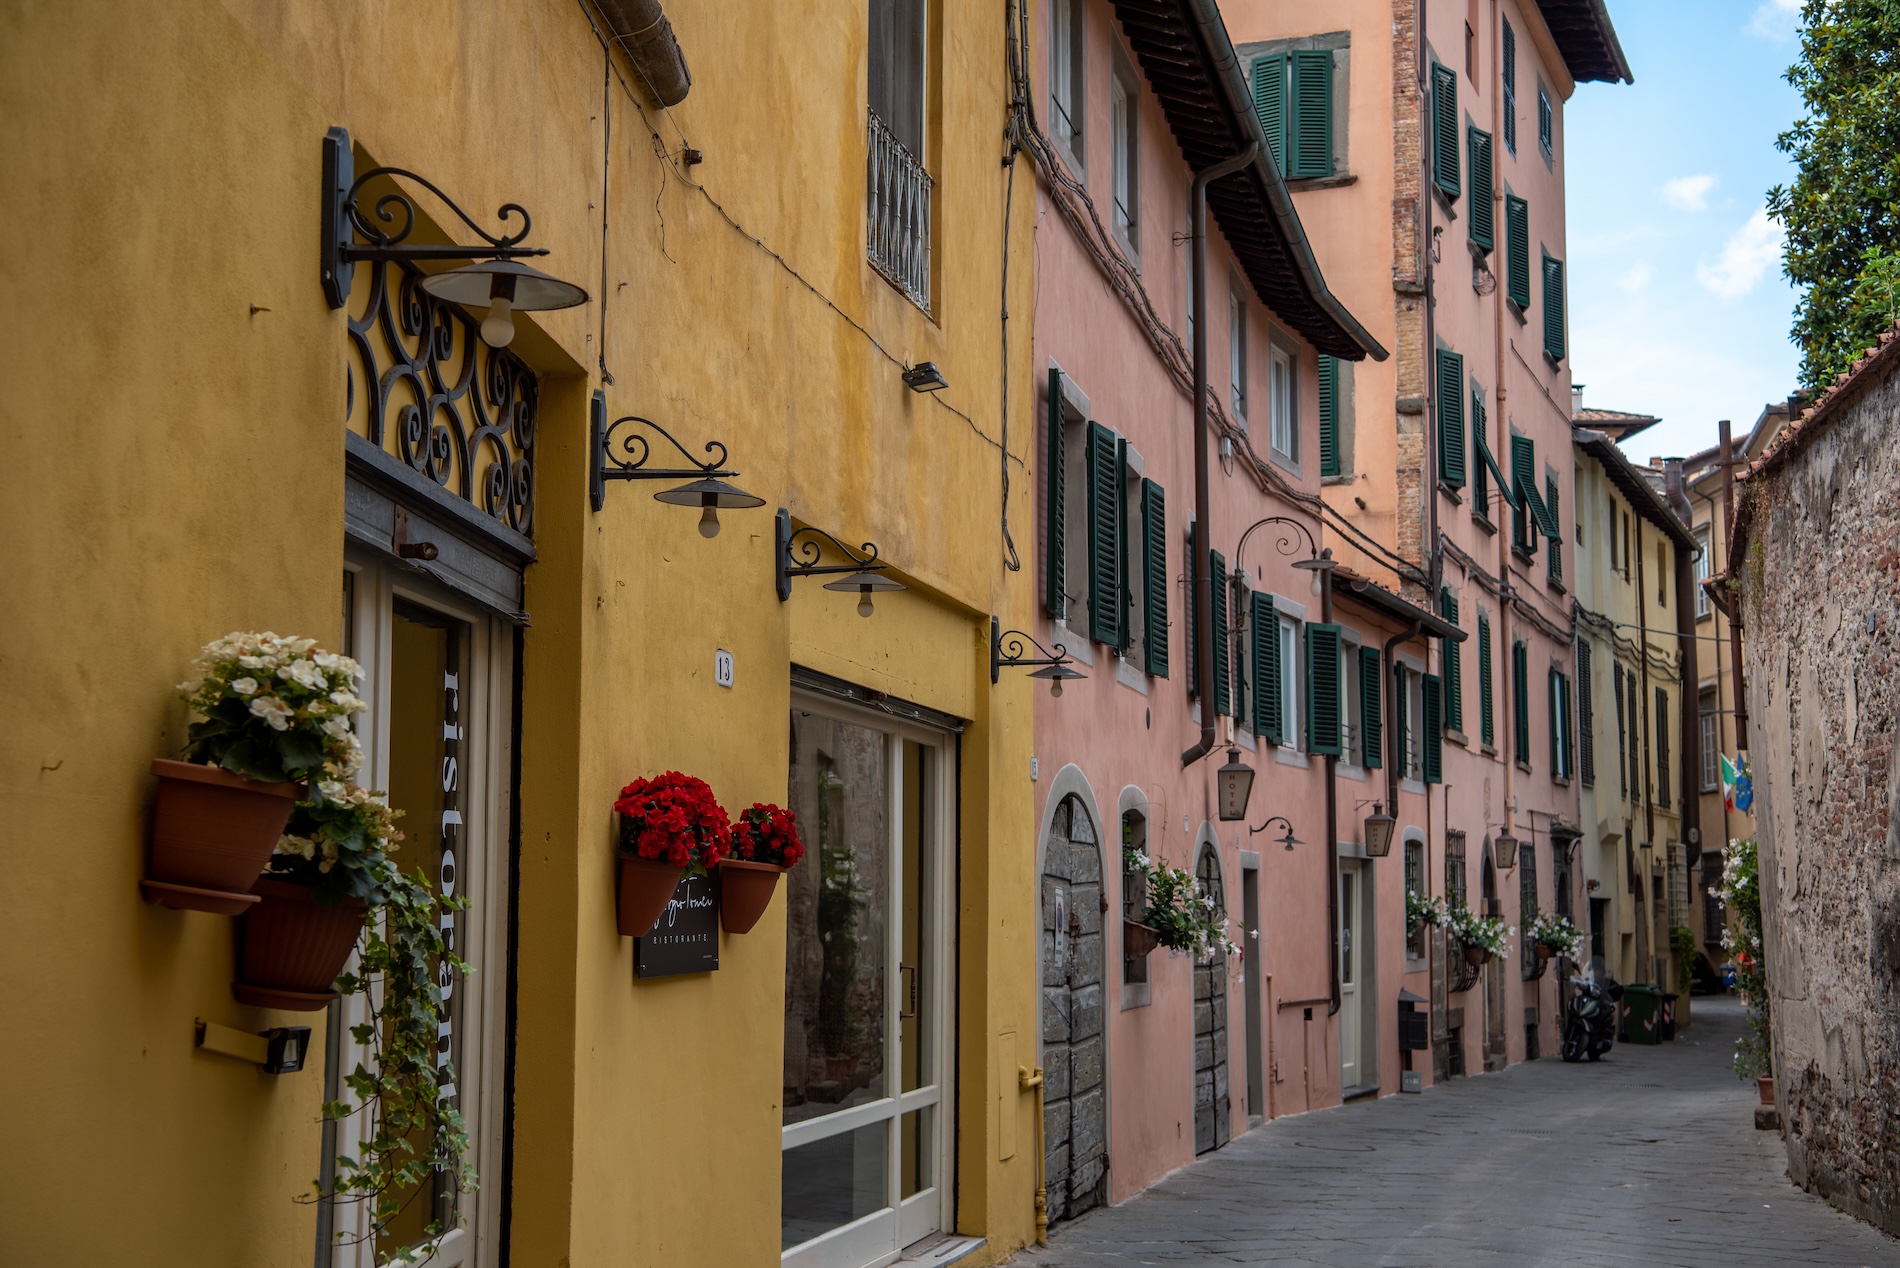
x: 765, y: 833
x: 673, y: 818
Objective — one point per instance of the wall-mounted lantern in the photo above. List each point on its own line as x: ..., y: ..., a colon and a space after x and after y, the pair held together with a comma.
x: 501, y: 285
x: 626, y: 458
x: 1011, y: 648
x: 1234, y: 784
x: 795, y: 558
x: 1504, y: 851
x: 1289, y: 840
x: 1379, y: 828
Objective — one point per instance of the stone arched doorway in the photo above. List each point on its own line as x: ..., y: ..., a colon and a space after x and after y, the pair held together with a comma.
x: 1213, y: 1121
x: 1075, y: 1104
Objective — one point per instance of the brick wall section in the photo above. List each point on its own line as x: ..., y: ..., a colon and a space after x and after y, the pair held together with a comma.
x: 1408, y: 277
x: 1820, y: 577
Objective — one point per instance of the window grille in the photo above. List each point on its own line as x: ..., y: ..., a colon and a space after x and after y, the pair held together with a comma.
x: 898, y: 190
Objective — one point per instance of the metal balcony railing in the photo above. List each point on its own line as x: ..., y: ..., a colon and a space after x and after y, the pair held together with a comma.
x: 898, y: 207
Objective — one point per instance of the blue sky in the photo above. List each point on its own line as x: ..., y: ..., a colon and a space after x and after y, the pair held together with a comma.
x: 1678, y: 306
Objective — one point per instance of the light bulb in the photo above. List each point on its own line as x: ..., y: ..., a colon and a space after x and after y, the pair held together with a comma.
x: 1316, y: 584
x: 498, y: 328
x: 864, y: 602
x: 1055, y: 687
x: 709, y: 520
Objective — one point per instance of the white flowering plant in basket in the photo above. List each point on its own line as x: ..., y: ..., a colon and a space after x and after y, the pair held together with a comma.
x: 1548, y: 929
x: 274, y: 708
x: 1184, y: 918
x: 1487, y: 933
x: 1424, y: 910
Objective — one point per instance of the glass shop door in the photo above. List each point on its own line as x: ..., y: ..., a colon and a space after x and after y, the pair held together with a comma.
x: 867, y: 1119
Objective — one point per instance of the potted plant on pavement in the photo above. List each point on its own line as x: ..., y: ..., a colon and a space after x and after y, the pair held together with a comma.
x: 671, y: 826
x: 273, y: 713
x: 1181, y: 917
x: 1552, y: 935
x: 1483, y: 937
x: 765, y: 846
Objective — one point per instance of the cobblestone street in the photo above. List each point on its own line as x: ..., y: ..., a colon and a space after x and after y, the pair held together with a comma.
x: 1649, y: 1157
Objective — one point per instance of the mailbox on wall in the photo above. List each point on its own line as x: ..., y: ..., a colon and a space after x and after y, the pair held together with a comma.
x: 1415, y: 1027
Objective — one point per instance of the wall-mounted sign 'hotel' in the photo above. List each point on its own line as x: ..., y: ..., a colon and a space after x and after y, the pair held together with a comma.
x: 687, y: 938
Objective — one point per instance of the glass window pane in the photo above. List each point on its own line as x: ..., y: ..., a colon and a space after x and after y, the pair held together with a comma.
x: 837, y: 919
x: 914, y: 999
x: 917, y: 1145
x: 829, y: 1183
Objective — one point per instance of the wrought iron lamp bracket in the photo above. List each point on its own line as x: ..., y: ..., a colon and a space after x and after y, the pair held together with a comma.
x: 799, y: 551
x: 627, y: 457
x: 385, y: 228
x: 1011, y: 648
x: 1286, y: 543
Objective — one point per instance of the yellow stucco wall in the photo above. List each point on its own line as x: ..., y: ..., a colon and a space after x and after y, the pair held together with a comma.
x: 179, y: 474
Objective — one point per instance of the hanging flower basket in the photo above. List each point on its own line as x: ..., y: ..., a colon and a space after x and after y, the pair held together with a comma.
x: 1476, y: 956
x: 273, y: 713
x: 1139, y: 939
x: 765, y: 846
x: 1543, y: 952
x: 671, y: 826
x: 294, y: 947
x: 212, y: 835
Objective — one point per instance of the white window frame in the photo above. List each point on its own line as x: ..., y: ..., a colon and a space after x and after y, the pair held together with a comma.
x: 1283, y: 403
x: 1560, y: 718
x: 1709, y: 730
x: 1124, y: 100
x: 1237, y: 353
x: 1704, y: 569
x: 1351, y: 734
x: 1290, y: 679
x: 482, y: 870
x: 1068, y: 78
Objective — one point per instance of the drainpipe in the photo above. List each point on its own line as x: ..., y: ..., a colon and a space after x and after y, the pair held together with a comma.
x: 640, y: 27
x: 1690, y: 676
x: 1203, y: 632
x: 1735, y: 606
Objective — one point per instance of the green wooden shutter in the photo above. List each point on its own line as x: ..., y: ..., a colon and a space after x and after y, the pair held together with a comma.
x: 1554, y: 308
x: 1622, y: 730
x: 1454, y: 674
x: 1310, y: 125
x: 1486, y: 731
x: 1482, y: 226
x: 1055, y: 598
x: 1434, y: 721
x: 1570, y: 739
x: 1105, y: 554
x: 1556, y: 729
x: 1269, y: 102
x: 1263, y: 625
x: 1663, y: 798
x: 1451, y: 418
x: 1555, y: 558
x: 1636, y: 722
x: 1371, y: 715
x: 1521, y: 699
x: 1328, y: 415
x: 1193, y: 630
x: 1401, y: 720
x: 1223, y: 646
x: 1509, y: 76
x: 1517, y: 251
x: 1480, y: 475
x: 1586, y: 714
x: 1445, y: 130
x: 1154, y: 579
x: 1323, y: 701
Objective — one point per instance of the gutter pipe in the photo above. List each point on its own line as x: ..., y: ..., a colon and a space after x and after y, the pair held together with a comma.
x: 640, y: 27
x: 1203, y: 631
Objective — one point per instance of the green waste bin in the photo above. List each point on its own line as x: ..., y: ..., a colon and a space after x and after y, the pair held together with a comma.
x: 1642, y: 1021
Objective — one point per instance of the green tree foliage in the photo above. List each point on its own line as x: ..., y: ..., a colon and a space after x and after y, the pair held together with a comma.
x: 1842, y: 212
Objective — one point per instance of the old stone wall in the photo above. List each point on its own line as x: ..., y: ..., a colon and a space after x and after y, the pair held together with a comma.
x: 1820, y: 580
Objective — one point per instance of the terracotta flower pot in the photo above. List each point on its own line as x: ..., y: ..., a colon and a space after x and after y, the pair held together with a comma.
x: 294, y: 947
x: 1476, y: 956
x: 1544, y: 953
x: 646, y: 886
x: 212, y: 835
x: 745, y: 891
x: 1765, y: 1085
x: 1139, y: 939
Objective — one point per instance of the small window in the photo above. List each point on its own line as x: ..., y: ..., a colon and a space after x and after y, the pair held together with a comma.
x: 1663, y: 798
x: 1237, y: 352
x: 1507, y: 72
x: 1286, y: 431
x: 1711, y: 737
x: 1351, y: 732
x: 1704, y: 563
x: 1122, y: 118
x: 1454, y: 867
x: 1134, y: 893
x: 1471, y: 54
x: 1066, y: 79
x: 1545, y: 122
x: 1662, y: 574
x: 1415, y: 884
x: 1290, y: 681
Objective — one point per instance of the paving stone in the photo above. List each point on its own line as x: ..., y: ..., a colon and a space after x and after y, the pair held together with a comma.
x: 1649, y: 1157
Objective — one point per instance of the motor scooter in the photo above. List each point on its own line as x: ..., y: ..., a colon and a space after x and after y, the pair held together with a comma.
x: 1590, y: 1020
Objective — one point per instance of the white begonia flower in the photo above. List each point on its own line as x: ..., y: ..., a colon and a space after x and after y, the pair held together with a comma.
x: 273, y: 711
x: 304, y: 674
x: 336, y: 728
x: 254, y: 662
x: 244, y: 686
x: 333, y: 790
x: 346, y: 702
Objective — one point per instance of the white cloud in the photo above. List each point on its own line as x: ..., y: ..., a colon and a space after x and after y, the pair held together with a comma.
x: 1747, y: 255
x: 1636, y: 278
x: 1775, y: 20
x: 1689, y: 193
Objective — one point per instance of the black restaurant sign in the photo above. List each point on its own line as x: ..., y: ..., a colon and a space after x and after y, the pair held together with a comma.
x: 687, y: 938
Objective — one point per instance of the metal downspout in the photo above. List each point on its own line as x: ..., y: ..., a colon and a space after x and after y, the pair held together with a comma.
x: 1203, y: 588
